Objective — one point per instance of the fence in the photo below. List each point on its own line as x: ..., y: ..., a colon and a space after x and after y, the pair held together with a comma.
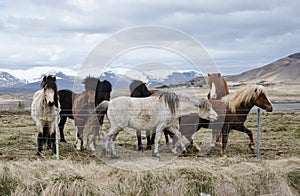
x: 279, y: 133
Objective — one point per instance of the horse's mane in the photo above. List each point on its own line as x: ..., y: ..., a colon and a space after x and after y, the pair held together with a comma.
x: 200, y: 102
x: 90, y: 83
x: 171, y: 100
x: 243, y: 96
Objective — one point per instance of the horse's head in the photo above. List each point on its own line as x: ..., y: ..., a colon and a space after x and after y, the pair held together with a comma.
x: 139, y: 89
x: 90, y: 84
x: 261, y: 100
x: 217, y: 85
x: 206, y: 111
x: 103, y: 91
x: 50, y: 90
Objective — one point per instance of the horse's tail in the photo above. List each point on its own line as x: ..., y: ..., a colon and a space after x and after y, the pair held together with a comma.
x: 101, y: 110
x: 171, y: 100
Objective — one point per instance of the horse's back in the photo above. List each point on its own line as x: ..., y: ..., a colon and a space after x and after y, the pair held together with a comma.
x: 138, y: 113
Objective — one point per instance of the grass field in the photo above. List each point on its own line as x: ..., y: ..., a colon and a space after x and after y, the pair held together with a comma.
x: 82, y: 173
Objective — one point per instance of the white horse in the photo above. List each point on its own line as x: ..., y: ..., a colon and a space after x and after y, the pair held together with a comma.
x: 45, y: 110
x: 154, y: 113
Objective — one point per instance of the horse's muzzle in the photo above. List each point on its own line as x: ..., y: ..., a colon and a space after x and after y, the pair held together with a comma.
x: 269, y: 109
x: 50, y: 104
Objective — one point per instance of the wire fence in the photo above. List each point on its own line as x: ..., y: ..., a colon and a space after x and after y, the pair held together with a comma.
x: 279, y: 133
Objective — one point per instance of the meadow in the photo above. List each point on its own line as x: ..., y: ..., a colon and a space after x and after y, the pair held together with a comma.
x: 85, y: 173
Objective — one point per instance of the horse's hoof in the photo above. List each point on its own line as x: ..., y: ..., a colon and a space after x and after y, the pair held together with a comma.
x: 114, y: 156
x: 251, y: 146
x: 63, y: 140
x: 38, y: 154
x: 140, y: 148
x: 224, y: 155
x: 149, y: 147
x: 156, y: 154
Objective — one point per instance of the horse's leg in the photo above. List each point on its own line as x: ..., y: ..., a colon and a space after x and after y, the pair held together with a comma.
x: 225, y: 134
x: 79, y: 139
x: 158, y: 133
x: 216, y: 136
x: 61, y: 126
x: 46, y: 135
x: 166, y: 132
x: 109, y: 140
x: 40, y: 140
x: 250, y: 135
x: 139, y: 138
x: 148, y: 136
x: 52, y: 139
x: 179, y: 139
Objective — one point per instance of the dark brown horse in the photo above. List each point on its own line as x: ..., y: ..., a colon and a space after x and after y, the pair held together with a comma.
x: 218, y: 89
x: 232, y: 111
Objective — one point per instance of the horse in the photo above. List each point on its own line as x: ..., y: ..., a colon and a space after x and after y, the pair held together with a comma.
x: 67, y: 97
x: 139, y: 89
x: 218, y: 89
x: 217, y: 85
x: 45, y: 110
x: 154, y: 113
x: 232, y: 113
x: 85, y: 102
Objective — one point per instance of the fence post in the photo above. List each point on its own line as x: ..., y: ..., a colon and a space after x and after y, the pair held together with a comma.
x: 56, y: 138
x: 258, y: 134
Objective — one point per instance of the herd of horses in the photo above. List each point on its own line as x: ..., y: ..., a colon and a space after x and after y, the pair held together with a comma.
x: 155, y: 112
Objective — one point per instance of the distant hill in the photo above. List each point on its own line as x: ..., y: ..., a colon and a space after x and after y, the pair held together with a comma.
x: 285, y: 70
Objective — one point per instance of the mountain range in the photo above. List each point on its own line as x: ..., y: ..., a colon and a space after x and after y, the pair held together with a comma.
x: 283, y: 71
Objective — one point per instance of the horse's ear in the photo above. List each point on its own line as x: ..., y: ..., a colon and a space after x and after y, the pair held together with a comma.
x: 208, y: 74
x: 219, y: 74
x: 54, y: 78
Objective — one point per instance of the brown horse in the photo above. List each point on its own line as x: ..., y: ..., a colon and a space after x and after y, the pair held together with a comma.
x: 232, y: 113
x: 217, y: 85
x: 83, y: 107
x: 218, y: 89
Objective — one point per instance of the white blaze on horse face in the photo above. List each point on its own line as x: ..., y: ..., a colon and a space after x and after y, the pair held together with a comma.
x: 49, y: 94
x: 213, y: 92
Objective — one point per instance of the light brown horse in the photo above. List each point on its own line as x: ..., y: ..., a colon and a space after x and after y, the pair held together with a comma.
x: 83, y: 107
x: 232, y: 112
x: 218, y: 89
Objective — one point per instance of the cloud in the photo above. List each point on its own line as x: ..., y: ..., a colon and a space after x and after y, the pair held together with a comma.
x: 237, y: 34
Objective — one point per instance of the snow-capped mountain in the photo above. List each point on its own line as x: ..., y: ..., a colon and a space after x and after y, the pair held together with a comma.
x: 7, y: 80
x: 122, y: 79
x: 30, y: 80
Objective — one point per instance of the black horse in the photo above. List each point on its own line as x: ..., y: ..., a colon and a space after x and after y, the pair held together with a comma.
x: 139, y: 89
x: 66, y: 99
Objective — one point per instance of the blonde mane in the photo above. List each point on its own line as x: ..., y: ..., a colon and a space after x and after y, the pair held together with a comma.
x: 242, y: 96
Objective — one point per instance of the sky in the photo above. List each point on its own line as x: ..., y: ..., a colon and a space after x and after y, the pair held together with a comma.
x: 237, y: 35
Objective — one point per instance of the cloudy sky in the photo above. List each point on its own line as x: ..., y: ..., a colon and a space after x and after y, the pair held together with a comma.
x: 238, y: 35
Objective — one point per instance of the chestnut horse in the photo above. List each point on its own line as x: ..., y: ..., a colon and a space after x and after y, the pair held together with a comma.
x: 218, y: 89
x: 84, y: 105
x: 67, y: 97
x: 232, y: 113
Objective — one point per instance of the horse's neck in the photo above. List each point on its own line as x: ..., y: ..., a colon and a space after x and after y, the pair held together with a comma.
x: 186, y: 108
x: 245, y: 109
